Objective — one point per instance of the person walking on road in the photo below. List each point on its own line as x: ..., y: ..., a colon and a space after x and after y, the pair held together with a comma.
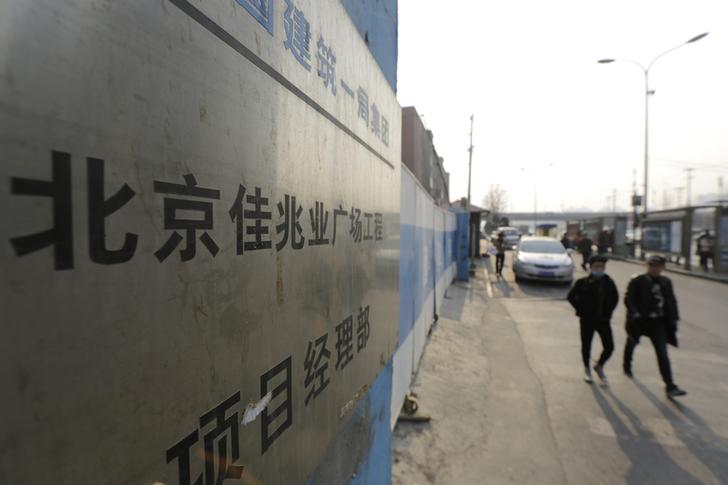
x: 500, y: 253
x: 565, y: 241
x: 652, y: 311
x: 585, y: 248
x: 705, y: 249
x: 594, y: 298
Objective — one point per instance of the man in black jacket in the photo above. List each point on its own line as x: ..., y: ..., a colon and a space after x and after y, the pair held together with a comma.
x: 652, y: 311
x: 594, y: 298
x: 585, y: 248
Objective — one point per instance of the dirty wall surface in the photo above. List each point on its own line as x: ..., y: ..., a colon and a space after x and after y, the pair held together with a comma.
x: 200, y: 208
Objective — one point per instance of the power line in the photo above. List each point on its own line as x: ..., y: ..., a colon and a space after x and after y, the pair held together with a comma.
x: 707, y: 166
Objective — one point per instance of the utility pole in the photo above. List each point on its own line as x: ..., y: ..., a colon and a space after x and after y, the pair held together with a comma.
x: 475, y: 236
x: 470, y: 158
x: 679, y: 192
x: 635, y: 217
x: 614, y: 200
x: 689, y: 173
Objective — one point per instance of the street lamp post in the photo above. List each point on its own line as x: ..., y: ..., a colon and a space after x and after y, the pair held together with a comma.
x: 648, y: 93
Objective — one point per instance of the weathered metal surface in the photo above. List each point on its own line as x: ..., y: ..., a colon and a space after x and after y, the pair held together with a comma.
x: 139, y: 329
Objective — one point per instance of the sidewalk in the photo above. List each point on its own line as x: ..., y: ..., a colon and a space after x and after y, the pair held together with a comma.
x: 489, y: 419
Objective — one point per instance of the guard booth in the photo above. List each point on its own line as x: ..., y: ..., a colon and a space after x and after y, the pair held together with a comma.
x: 547, y: 230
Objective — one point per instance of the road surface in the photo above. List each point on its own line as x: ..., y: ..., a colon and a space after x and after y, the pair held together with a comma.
x: 502, y: 380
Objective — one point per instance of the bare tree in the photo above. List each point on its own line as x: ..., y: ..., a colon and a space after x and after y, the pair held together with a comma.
x: 495, y: 201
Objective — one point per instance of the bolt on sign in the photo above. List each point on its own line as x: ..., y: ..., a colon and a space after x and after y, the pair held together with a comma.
x: 200, y: 215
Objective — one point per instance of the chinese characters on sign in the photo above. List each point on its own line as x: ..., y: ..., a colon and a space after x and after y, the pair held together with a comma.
x: 220, y: 426
x: 297, y: 41
x: 187, y: 208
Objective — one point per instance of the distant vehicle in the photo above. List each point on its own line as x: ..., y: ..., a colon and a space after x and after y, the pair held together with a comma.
x: 542, y: 258
x: 511, y: 236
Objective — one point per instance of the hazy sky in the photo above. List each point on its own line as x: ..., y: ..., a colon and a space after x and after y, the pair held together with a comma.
x: 527, y: 70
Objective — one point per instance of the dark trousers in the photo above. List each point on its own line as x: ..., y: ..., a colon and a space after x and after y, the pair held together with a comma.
x: 657, y: 332
x: 604, y: 329
x: 585, y: 259
x: 704, y: 257
x: 499, y: 260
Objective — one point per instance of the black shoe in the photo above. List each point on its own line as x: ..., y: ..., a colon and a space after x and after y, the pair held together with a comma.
x: 675, y: 391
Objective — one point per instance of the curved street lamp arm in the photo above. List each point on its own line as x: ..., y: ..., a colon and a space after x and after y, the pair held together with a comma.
x: 666, y: 52
x: 694, y: 39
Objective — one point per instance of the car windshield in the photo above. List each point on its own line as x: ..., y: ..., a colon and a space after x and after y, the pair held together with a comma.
x: 550, y: 247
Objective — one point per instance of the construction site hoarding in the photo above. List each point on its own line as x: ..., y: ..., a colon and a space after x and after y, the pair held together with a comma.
x: 201, y: 221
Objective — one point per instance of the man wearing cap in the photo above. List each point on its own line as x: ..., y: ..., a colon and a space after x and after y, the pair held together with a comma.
x: 652, y: 311
x: 594, y: 298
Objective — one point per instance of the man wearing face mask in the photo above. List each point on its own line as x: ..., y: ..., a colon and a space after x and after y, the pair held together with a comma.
x: 594, y: 298
x: 652, y: 311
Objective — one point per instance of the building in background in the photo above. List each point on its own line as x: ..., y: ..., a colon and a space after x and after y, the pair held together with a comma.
x: 420, y: 156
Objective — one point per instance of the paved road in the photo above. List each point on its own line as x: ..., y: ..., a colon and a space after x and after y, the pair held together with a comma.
x: 501, y: 378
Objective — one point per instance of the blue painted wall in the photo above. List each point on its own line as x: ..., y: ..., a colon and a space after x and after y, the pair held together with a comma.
x: 376, y: 21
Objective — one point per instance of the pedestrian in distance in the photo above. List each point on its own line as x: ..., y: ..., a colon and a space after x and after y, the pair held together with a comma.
x: 565, y: 241
x: 652, y: 311
x: 705, y: 249
x: 594, y: 298
x: 500, y: 253
x: 585, y: 248
x: 603, y: 242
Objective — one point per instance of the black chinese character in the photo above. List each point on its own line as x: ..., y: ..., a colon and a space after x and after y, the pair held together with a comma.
x: 268, y: 437
x: 258, y: 230
x: 355, y: 229
x: 367, y: 233
x: 290, y: 214
x: 258, y: 215
x: 172, y: 221
x: 236, y: 215
x: 181, y: 452
x: 377, y: 226
x: 362, y: 328
x: 316, y: 369
x: 319, y: 221
x: 99, y: 208
x: 216, y: 443
x: 59, y: 190
x: 338, y: 212
x: 215, y: 447
x: 344, y: 342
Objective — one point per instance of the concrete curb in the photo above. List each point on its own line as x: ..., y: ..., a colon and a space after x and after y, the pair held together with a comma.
x: 694, y: 274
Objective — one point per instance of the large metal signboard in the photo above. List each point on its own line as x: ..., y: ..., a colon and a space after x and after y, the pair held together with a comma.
x: 200, y: 238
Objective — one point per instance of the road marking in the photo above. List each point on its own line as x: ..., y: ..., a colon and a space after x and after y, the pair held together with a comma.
x: 488, y: 286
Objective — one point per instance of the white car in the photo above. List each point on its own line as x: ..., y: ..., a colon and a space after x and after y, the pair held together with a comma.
x: 511, y: 236
x: 542, y: 258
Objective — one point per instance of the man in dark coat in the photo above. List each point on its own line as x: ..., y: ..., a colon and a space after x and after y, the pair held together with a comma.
x: 594, y: 298
x: 585, y: 248
x: 652, y: 311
